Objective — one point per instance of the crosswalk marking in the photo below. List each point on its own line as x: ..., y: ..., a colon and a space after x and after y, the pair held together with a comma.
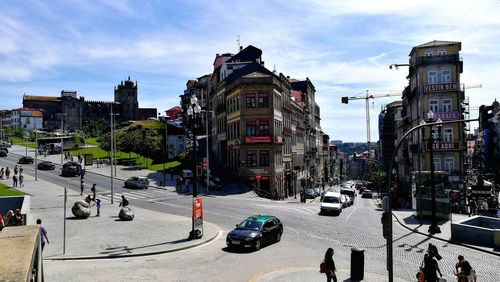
x: 308, y: 210
x: 151, y: 194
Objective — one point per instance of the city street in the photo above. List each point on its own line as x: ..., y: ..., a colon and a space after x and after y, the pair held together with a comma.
x: 306, y: 237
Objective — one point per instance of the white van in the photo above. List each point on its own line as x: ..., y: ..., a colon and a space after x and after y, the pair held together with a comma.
x: 331, y: 203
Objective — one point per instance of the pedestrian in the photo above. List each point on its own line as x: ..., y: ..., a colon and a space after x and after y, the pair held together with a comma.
x: 484, y: 207
x: 15, y: 170
x: 93, y: 192
x: 21, y: 169
x: 330, y: 266
x: 431, y: 268
x: 2, y: 223
x: 43, y: 233
x: 187, y: 185
x: 98, y: 205
x: 21, y: 179
x: 18, y: 218
x: 9, y: 218
x: 124, y: 202
x: 1, y: 173
x: 472, y: 206
x: 14, y: 180
x: 464, y: 270
x: 7, y: 172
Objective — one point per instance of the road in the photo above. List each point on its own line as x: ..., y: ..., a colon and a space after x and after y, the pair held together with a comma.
x: 306, y: 237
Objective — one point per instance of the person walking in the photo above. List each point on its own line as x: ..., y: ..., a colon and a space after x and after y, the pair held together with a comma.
x: 14, y: 180
x: 98, y: 206
x: 7, y: 172
x: 431, y: 269
x: 124, y: 202
x: 43, y: 233
x: 15, y: 170
x: 93, y: 192
x: 1, y: 173
x: 472, y: 206
x: 330, y: 266
x: 21, y: 179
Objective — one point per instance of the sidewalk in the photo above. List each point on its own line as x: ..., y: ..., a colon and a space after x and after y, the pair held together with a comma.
x: 106, y: 236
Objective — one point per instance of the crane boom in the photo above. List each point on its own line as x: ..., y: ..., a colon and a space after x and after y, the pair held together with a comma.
x: 367, y: 96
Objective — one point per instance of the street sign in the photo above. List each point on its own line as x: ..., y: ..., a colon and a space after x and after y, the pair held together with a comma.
x: 204, y: 164
x: 258, y: 176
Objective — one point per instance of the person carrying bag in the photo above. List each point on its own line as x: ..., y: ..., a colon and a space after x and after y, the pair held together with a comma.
x: 328, y: 266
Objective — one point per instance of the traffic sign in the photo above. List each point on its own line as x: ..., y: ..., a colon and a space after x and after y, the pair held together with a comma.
x: 258, y: 176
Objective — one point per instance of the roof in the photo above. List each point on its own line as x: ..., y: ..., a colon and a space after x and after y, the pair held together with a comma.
x: 41, y: 98
x: 248, y: 69
x: 260, y: 218
x: 437, y: 43
x: 176, y: 108
x: 250, y: 53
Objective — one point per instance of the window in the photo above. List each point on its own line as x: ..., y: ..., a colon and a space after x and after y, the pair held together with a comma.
x: 263, y: 100
x: 251, y: 128
x: 432, y: 77
x: 251, y: 100
x: 448, y: 135
x: 447, y: 105
x: 433, y: 106
x: 251, y: 158
x: 428, y: 53
x: 437, y: 164
x: 435, y: 133
x: 263, y: 158
x: 441, y: 52
x: 264, y: 128
x: 449, y: 165
x: 445, y: 76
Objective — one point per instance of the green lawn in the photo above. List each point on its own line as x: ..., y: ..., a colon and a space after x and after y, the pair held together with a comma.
x: 6, y: 191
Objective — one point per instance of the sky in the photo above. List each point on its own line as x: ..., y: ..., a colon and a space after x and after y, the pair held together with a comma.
x: 343, y: 47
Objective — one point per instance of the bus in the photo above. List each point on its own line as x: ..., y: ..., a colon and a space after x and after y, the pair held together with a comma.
x: 53, y: 144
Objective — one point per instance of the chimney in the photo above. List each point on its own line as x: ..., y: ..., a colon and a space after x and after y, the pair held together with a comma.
x: 241, y: 48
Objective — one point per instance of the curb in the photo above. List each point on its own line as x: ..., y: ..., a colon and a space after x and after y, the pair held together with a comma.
x: 217, y: 235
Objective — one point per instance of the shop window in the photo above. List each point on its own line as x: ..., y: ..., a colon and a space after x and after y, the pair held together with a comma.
x: 251, y: 158
x: 263, y: 158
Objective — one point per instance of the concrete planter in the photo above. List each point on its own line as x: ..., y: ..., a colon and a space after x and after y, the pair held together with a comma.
x: 480, y: 230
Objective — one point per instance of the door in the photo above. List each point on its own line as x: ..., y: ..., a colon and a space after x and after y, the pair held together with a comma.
x: 269, y: 231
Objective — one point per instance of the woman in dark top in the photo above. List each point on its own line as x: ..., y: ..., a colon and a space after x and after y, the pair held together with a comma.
x: 431, y: 269
x: 330, y: 273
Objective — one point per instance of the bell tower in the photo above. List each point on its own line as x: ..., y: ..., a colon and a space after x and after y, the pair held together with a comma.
x: 126, y: 95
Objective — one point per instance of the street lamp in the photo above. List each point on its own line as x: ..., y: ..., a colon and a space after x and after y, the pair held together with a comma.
x: 434, y: 228
x: 164, y: 149
x: 62, y: 136
x: 193, y: 110
x: 112, y: 144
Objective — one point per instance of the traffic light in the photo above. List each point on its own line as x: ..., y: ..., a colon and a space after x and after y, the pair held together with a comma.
x: 345, y: 100
x: 485, y: 113
x: 385, y: 220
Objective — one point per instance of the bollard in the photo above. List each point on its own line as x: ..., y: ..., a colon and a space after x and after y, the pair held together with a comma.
x: 357, y: 264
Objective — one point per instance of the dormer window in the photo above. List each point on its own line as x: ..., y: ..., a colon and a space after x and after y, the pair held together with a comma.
x: 428, y: 53
x: 441, y: 51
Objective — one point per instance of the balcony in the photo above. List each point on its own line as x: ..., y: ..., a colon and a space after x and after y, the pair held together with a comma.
x: 438, y: 59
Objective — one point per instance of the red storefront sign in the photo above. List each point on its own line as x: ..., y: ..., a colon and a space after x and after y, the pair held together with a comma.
x: 443, y: 146
x: 441, y: 87
x: 257, y: 139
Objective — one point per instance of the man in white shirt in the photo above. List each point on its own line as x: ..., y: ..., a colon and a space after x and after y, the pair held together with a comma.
x: 485, y: 207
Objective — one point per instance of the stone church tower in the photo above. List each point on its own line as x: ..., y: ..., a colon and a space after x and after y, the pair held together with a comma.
x: 126, y: 95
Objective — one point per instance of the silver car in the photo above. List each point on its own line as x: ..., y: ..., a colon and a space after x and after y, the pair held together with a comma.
x: 137, y: 182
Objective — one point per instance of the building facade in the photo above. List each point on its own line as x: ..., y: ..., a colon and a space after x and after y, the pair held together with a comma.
x: 434, y: 85
x: 265, y: 127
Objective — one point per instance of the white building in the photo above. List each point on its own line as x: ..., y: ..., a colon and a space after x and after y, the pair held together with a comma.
x: 29, y: 119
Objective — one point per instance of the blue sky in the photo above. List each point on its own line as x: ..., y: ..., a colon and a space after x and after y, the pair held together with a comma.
x: 344, y: 47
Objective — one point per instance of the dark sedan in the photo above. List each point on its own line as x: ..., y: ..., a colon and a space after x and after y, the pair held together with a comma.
x: 255, y: 231
x: 26, y: 160
x: 3, y: 153
x: 71, y: 169
x: 46, y: 165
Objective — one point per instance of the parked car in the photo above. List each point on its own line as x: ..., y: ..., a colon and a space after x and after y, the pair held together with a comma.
x: 309, y: 193
x: 46, y: 165
x: 255, y: 231
x: 26, y: 160
x: 186, y: 173
x: 323, y: 193
x: 3, y: 153
x: 367, y: 194
x: 137, y: 182
x: 317, y: 191
x: 71, y: 169
x: 344, y: 201
x: 331, y: 203
x: 349, y: 193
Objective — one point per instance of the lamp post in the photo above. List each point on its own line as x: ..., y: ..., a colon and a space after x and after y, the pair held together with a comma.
x: 36, y: 152
x: 434, y: 228
x: 193, y: 110
x: 207, y: 158
x: 62, y: 136
x: 164, y: 150
x: 112, y: 147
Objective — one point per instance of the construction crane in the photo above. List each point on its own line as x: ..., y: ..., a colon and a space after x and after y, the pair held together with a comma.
x: 365, y: 95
